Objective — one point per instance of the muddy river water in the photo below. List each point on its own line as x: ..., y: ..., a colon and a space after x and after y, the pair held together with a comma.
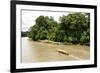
x: 33, y: 51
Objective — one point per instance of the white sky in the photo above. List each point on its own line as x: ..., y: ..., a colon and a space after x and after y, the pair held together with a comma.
x: 29, y: 17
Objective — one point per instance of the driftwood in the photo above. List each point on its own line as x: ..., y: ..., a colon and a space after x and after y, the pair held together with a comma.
x: 62, y: 52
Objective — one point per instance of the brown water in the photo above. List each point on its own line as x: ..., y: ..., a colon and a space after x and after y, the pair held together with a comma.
x: 33, y: 51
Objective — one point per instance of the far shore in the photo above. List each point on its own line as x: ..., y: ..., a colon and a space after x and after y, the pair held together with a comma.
x: 57, y: 43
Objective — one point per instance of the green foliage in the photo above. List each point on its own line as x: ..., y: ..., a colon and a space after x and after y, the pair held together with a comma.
x: 73, y: 28
x: 84, y: 38
x: 24, y: 34
x: 74, y: 25
x: 60, y: 36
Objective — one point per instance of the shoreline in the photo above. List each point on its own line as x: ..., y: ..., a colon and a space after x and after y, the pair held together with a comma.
x: 58, y: 43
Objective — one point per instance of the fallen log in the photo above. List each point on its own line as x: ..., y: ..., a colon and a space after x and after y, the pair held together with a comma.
x: 62, y: 51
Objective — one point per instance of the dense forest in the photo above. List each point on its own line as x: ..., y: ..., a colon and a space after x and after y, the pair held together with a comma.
x: 72, y: 28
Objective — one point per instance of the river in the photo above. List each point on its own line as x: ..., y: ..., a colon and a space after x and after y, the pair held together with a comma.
x: 33, y: 51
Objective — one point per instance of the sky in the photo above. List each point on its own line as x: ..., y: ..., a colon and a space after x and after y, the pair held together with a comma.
x: 29, y: 17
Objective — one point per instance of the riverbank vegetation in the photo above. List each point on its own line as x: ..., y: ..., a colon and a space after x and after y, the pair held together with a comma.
x: 72, y: 28
x: 24, y: 34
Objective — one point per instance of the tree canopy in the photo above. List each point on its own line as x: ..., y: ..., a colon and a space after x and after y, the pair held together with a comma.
x: 73, y: 28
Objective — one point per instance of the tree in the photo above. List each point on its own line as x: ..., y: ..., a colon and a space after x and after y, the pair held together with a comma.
x: 74, y: 25
x: 24, y: 34
x: 73, y: 28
